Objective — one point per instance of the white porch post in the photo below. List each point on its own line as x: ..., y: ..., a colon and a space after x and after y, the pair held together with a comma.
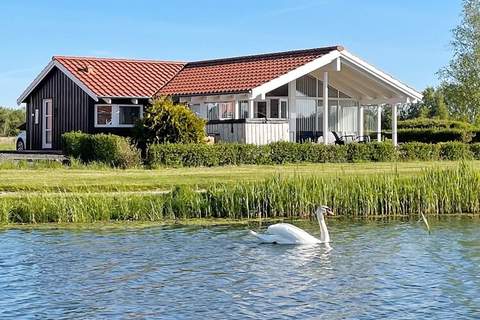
x: 360, y: 120
x: 394, y: 124
x: 379, y: 123
x: 237, y: 109
x: 325, y: 107
x: 250, y: 109
x: 292, y: 110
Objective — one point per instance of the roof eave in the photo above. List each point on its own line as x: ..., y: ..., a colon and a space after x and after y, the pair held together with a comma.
x: 45, y: 72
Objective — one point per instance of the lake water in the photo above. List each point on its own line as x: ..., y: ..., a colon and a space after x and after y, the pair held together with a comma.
x: 374, y: 270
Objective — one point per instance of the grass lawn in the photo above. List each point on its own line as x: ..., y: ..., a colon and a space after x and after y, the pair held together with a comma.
x: 93, y: 180
x: 7, y: 143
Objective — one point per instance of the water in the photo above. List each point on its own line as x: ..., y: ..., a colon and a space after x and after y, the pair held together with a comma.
x: 375, y: 270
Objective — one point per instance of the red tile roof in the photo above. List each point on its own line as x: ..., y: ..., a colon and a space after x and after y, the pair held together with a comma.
x: 121, y: 77
x: 146, y: 78
x: 239, y: 74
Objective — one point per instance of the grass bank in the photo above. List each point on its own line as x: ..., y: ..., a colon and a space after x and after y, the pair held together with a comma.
x: 7, y: 143
x: 102, y: 179
x: 433, y: 191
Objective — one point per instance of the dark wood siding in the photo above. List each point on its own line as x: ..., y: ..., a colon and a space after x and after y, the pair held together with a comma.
x: 71, y: 107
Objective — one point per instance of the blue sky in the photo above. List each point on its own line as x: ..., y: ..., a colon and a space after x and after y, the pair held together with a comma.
x: 407, y: 38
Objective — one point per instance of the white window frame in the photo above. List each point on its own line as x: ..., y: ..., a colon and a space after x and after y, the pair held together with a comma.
x: 115, y: 115
x: 46, y: 145
x: 206, y: 103
x: 269, y: 106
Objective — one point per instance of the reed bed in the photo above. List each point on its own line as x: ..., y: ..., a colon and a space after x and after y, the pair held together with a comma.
x: 433, y: 192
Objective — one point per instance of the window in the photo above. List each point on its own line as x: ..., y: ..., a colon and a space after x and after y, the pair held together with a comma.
x: 115, y: 115
x: 212, y: 111
x: 243, y: 105
x: 283, y: 109
x: 221, y: 110
x: 227, y: 110
x: 274, y: 108
x: 104, y: 115
x: 200, y: 110
x: 260, y: 109
x: 129, y: 115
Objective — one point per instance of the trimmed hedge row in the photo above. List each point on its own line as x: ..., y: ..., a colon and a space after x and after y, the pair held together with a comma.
x: 432, y: 135
x: 110, y: 149
x: 202, y: 155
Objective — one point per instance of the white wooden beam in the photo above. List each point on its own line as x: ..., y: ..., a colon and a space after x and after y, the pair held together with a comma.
x: 251, y: 108
x: 325, y: 107
x: 379, y: 123
x: 292, y: 109
x: 360, y: 121
x: 394, y: 124
x: 296, y: 73
x: 379, y: 75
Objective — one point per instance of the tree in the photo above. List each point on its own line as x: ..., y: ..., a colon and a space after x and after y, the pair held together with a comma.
x: 433, y: 104
x: 10, y: 119
x: 461, y: 78
x: 167, y: 122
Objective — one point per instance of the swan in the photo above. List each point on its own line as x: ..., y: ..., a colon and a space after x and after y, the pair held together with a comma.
x: 284, y: 233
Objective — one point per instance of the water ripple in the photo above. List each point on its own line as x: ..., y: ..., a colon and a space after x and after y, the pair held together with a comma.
x: 373, y: 270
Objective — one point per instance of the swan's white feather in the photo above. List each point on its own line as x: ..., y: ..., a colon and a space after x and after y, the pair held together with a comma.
x: 284, y: 233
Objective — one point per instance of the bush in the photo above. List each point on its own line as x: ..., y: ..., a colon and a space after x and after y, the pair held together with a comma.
x: 110, y: 149
x: 432, y: 135
x: 202, y: 155
x: 455, y: 151
x: 419, y: 151
x: 196, y: 155
x: 428, y: 123
x: 166, y: 122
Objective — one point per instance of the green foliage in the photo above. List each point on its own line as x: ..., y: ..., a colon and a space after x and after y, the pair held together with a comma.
x: 429, y: 123
x: 110, y: 149
x: 167, y: 122
x: 10, y: 119
x: 461, y: 78
x: 434, y: 135
x: 198, y: 155
x: 434, y: 191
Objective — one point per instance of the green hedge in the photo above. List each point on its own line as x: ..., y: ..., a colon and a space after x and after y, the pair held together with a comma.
x: 202, y: 155
x: 428, y: 123
x: 432, y: 135
x: 110, y: 149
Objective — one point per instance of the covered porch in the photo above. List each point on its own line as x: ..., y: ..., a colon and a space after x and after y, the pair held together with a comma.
x: 322, y: 101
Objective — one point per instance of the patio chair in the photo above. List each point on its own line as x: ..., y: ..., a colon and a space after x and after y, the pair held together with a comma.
x: 350, y: 138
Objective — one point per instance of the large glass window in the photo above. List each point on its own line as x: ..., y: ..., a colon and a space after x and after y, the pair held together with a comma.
x: 200, y: 110
x: 115, y: 115
x: 260, y: 109
x: 307, y: 86
x: 212, y: 110
x: 243, y: 105
x: 227, y: 110
x: 104, y: 115
x: 278, y: 108
x: 129, y: 115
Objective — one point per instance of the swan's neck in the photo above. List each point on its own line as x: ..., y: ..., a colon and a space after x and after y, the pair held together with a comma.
x: 324, y: 235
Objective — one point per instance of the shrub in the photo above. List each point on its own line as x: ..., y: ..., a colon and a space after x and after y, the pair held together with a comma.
x: 455, y: 151
x: 74, y: 144
x: 110, y: 149
x: 167, y: 122
x: 433, y: 135
x: 428, y: 123
x: 419, y: 151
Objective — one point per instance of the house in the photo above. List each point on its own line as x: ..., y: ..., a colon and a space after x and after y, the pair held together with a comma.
x: 284, y: 96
